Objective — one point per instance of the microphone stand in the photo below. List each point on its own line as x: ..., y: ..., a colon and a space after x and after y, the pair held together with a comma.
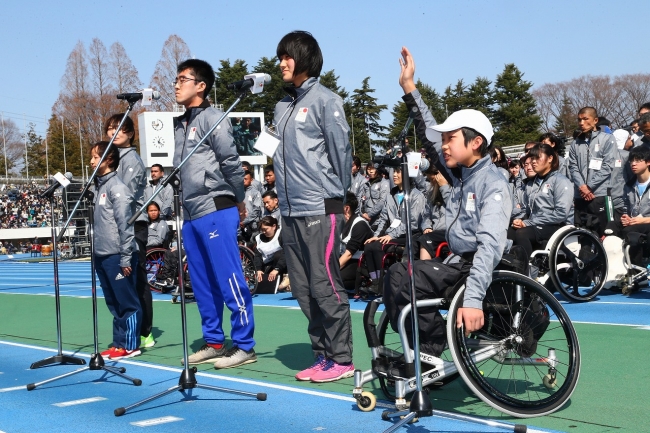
x: 59, y: 358
x: 187, y: 380
x: 96, y: 360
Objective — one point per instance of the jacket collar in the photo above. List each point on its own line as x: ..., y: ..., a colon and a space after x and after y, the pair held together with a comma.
x: 467, y: 172
x: 296, y: 92
x: 101, y: 180
x: 194, y: 111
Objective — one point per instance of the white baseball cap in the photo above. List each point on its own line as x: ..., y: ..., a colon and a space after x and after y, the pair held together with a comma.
x: 621, y: 136
x: 467, y: 118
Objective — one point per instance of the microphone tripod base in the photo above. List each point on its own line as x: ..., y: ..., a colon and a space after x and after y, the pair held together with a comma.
x: 58, y: 359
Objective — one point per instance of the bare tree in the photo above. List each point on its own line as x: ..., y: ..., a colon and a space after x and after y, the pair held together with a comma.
x: 12, y: 138
x: 122, y: 73
x: 174, y: 51
x: 617, y: 98
x: 101, y: 100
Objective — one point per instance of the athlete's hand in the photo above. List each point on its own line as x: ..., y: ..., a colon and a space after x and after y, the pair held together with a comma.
x: 472, y: 318
x: 241, y: 207
x: 126, y: 271
x: 407, y: 72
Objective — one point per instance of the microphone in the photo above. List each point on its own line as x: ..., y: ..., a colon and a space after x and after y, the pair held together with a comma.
x: 132, y: 97
x: 424, y: 164
x: 254, y: 81
x: 58, y: 180
x: 407, y: 126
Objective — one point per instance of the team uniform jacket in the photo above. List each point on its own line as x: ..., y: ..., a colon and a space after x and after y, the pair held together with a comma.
x: 434, y: 217
x: 477, y: 211
x: 132, y: 173
x: 157, y: 233
x: 636, y: 205
x: 372, y: 197
x: 164, y: 199
x: 253, y: 205
x: 214, y: 170
x: 585, y: 152
x: 392, y: 219
x: 550, y: 201
x: 621, y: 174
x: 356, y: 182
x: 312, y: 162
x: 114, y: 206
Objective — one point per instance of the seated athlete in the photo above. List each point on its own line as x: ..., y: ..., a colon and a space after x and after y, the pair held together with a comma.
x: 477, y: 212
x: 549, y: 201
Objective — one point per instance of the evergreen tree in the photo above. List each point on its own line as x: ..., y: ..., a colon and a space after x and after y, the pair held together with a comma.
x: 365, y: 113
x: 454, y: 98
x: 515, y: 120
x: 64, y: 153
x: 35, y: 154
x: 225, y: 75
x: 566, y: 122
x: 480, y: 96
x: 330, y: 80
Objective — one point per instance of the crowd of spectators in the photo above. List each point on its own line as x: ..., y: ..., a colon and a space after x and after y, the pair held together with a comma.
x: 21, y: 206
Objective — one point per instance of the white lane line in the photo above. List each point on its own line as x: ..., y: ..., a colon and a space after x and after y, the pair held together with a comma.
x: 80, y: 401
x: 13, y: 388
x: 156, y: 421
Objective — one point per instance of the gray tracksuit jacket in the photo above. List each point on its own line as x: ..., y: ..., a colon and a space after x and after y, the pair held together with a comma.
x: 598, y: 149
x: 621, y: 174
x: 254, y: 206
x: 275, y: 214
x: 477, y: 212
x: 114, y: 206
x: 372, y: 197
x: 392, y: 220
x: 636, y: 205
x: 132, y: 173
x: 550, y: 201
x: 214, y: 171
x: 356, y: 182
x: 433, y: 217
x: 157, y: 231
x: 165, y: 198
x: 518, y: 192
x: 312, y: 162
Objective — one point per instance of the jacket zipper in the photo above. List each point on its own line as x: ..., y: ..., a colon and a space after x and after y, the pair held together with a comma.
x: 284, y: 157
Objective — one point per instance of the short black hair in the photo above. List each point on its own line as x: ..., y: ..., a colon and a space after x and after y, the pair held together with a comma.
x: 356, y: 161
x: 470, y: 134
x: 646, y: 106
x: 248, y: 173
x: 352, y: 201
x: 154, y: 203
x: 127, y: 127
x: 590, y: 110
x: 202, y: 72
x: 113, y: 155
x: 558, y: 143
x: 247, y: 165
x: 546, y: 149
x: 302, y: 47
x: 268, y: 221
x: 639, y: 153
x: 269, y: 168
x: 270, y: 193
x: 645, y: 118
x: 158, y: 166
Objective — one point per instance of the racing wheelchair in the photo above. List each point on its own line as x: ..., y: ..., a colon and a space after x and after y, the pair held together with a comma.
x: 525, y: 361
x: 156, y: 262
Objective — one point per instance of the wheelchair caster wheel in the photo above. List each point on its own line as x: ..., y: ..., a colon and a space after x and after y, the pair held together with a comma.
x: 413, y: 421
x: 385, y: 415
x: 549, y: 381
x: 367, y: 401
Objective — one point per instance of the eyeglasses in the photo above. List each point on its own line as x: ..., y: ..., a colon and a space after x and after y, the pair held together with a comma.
x: 182, y: 80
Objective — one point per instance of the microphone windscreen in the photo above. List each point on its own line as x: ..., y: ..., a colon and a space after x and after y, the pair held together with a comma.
x: 155, y: 95
x: 68, y: 175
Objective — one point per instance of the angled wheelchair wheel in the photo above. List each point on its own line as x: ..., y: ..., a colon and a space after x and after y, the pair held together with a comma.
x: 525, y: 361
x: 248, y: 267
x: 155, y: 262
x: 578, y: 265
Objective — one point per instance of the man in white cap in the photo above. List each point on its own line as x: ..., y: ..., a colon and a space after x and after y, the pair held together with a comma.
x: 477, y: 213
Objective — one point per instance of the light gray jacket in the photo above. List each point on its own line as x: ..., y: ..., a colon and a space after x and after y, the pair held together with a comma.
x: 478, y: 211
x: 582, y: 152
x: 253, y: 205
x: 114, y: 206
x: 636, y: 205
x: 133, y: 174
x: 157, y: 232
x: 165, y: 198
x: 393, y: 212
x: 550, y: 201
x: 215, y: 169
x: 312, y: 162
x: 372, y: 197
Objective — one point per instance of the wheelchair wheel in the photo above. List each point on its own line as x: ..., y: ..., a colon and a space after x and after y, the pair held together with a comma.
x: 155, y: 261
x: 248, y: 268
x: 578, y: 264
x: 525, y: 361
x: 390, y: 339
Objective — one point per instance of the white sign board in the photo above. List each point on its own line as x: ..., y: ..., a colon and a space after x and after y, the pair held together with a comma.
x: 156, y: 130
